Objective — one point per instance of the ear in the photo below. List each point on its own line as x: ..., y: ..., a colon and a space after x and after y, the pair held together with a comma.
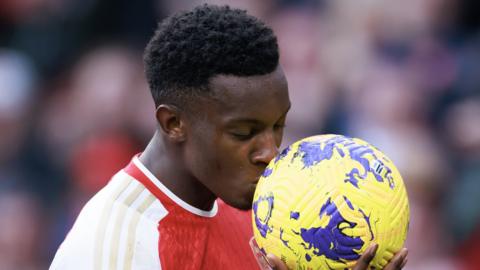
x: 171, y: 122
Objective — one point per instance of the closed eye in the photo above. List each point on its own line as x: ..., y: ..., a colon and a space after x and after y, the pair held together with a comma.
x: 243, y: 135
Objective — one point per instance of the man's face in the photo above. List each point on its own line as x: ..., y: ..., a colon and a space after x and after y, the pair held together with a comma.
x: 236, y: 132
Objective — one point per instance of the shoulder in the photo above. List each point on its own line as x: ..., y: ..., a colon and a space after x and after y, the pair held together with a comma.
x: 118, y: 226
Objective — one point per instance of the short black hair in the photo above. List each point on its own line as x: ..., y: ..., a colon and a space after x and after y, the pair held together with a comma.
x: 189, y: 48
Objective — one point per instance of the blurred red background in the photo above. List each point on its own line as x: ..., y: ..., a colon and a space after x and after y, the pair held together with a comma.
x: 403, y: 75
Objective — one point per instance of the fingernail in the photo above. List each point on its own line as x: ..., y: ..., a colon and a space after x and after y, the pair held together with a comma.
x: 268, y: 258
x: 373, y: 249
x: 405, y: 253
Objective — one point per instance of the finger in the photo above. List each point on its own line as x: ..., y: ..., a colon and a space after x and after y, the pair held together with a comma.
x: 366, y: 258
x: 398, y: 261
x: 276, y: 263
x: 259, y: 256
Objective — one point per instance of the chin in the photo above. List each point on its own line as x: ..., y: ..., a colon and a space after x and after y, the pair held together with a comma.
x: 244, y: 204
x: 241, y: 200
x: 245, y: 207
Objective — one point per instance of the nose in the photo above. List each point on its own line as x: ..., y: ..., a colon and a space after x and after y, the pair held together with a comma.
x: 265, y: 151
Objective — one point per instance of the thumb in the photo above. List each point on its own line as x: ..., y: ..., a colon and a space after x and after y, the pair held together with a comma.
x: 275, y: 262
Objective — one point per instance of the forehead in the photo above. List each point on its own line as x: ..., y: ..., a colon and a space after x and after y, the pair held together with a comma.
x: 251, y: 96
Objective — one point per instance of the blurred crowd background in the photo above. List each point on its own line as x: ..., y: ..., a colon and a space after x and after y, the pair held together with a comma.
x: 403, y: 75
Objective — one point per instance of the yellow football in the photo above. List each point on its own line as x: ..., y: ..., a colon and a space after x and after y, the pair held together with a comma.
x: 324, y: 199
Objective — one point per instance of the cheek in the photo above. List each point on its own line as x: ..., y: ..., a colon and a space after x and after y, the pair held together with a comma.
x: 207, y: 156
x: 230, y: 160
x: 215, y: 159
x: 225, y: 161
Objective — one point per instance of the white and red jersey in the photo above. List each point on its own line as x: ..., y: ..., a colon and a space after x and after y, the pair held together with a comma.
x: 135, y: 222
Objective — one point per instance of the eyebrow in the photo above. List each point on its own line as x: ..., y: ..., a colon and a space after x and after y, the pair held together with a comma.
x: 254, y: 121
x: 249, y: 121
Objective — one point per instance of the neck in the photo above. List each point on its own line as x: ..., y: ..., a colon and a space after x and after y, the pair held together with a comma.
x: 164, y: 160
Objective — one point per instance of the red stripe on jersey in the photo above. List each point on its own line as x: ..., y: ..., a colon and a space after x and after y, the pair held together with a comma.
x: 190, y: 242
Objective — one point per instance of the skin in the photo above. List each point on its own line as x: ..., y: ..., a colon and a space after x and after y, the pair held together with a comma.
x: 218, y: 145
x: 398, y: 261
